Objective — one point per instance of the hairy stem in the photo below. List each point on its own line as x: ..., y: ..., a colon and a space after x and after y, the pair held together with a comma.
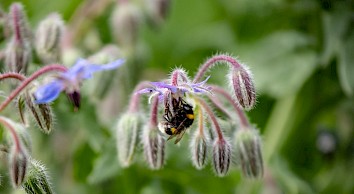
x: 211, y: 115
x: 200, y: 122
x: 13, y: 132
x: 153, y: 112
x: 26, y: 82
x: 12, y: 75
x: 243, y: 119
x: 135, y: 98
x: 214, y: 60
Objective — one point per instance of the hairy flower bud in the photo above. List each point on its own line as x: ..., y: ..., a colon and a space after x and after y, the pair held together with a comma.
x: 18, y: 56
x: 37, y: 179
x: 158, y: 10
x: 18, y: 165
x: 42, y: 113
x: 248, y: 150
x: 127, y: 132
x: 48, y: 38
x: 154, y: 147
x: 199, y: 149
x: 21, y: 133
x: 125, y: 23
x: 242, y: 83
x: 18, y: 51
x: 221, y: 156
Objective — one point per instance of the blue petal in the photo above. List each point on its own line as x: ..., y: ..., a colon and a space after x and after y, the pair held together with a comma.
x: 83, y: 69
x: 48, y: 92
x: 77, y: 69
x: 91, y: 68
x: 164, y: 85
x: 145, y: 91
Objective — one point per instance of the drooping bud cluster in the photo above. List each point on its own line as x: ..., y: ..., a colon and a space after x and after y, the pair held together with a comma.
x: 32, y: 101
x: 182, y: 105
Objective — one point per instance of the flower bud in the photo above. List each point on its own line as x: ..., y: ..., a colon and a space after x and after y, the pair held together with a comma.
x: 127, y: 132
x: 242, y: 83
x: 18, y: 51
x: 18, y: 56
x: 221, y: 156
x: 21, y: 133
x: 158, y: 10
x: 125, y: 23
x: 154, y: 147
x: 248, y: 150
x: 42, y: 113
x: 48, y: 38
x: 199, y: 148
x: 37, y: 179
x: 18, y: 165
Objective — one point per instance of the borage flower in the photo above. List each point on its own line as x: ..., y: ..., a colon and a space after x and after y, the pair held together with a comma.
x: 184, y: 103
x: 70, y: 81
x: 164, y: 89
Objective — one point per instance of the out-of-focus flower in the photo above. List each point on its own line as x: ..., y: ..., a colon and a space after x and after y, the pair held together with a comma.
x: 70, y: 81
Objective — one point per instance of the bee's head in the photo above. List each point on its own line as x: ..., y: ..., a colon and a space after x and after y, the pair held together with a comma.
x: 167, y: 128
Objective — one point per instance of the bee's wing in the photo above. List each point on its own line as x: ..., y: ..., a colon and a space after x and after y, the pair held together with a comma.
x: 171, y: 136
x: 179, y: 136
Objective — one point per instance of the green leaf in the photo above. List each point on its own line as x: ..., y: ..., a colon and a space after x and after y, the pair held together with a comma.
x: 281, y: 63
x: 106, y: 165
x: 83, y: 162
x: 346, y: 67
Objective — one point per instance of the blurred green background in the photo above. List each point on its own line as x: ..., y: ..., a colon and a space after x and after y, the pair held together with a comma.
x: 300, y: 51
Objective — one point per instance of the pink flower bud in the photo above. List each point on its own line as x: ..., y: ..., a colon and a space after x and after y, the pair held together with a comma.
x: 242, y: 83
x: 154, y: 147
x: 221, y: 156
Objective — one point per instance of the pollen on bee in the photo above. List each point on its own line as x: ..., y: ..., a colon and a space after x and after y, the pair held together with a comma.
x: 190, y: 116
x: 173, y: 130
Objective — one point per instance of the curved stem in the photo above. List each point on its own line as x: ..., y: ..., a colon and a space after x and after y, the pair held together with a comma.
x: 13, y: 75
x: 27, y: 81
x: 200, y: 122
x: 12, y: 131
x: 243, y: 119
x: 153, y: 112
x: 213, y: 61
x: 135, y: 98
x: 210, y: 113
x: 220, y: 106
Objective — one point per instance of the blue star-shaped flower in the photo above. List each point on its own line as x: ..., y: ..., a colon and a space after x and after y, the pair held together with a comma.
x: 70, y: 80
x: 160, y: 88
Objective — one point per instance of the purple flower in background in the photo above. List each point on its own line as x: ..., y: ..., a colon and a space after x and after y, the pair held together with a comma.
x: 70, y: 81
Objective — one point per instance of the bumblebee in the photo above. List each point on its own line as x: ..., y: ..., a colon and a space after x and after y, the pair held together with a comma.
x: 178, y: 120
